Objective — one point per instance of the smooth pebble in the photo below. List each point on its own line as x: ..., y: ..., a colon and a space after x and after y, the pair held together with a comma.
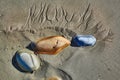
x: 27, y: 60
x: 83, y: 40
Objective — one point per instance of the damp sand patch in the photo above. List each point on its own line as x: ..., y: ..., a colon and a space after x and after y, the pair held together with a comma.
x: 46, y: 21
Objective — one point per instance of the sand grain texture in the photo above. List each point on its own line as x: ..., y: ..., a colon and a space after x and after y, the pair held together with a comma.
x: 24, y: 21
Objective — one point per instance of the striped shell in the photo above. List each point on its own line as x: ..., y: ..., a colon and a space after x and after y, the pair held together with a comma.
x: 27, y: 60
x: 51, y: 45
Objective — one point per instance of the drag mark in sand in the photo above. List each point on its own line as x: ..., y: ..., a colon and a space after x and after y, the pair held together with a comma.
x: 52, y: 17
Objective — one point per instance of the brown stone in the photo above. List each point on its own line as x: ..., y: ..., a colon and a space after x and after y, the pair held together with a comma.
x: 51, y: 45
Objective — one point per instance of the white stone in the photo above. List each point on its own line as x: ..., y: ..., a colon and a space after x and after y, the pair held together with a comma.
x: 27, y: 60
x: 84, y: 40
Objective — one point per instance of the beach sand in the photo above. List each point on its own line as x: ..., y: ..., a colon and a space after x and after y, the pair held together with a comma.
x: 23, y: 22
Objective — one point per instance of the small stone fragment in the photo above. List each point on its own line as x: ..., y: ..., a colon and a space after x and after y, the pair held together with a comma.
x: 54, y: 78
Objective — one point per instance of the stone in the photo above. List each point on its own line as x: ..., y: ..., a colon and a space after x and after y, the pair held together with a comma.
x: 27, y: 60
x: 83, y: 40
x: 50, y: 45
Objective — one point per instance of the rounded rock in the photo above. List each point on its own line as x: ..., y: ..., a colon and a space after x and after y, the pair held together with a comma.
x: 50, y: 45
x: 27, y: 60
x: 83, y: 40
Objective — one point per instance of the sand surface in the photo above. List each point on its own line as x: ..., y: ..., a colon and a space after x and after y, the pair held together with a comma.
x: 24, y: 21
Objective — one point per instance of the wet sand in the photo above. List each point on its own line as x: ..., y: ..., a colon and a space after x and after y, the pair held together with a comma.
x: 22, y: 22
